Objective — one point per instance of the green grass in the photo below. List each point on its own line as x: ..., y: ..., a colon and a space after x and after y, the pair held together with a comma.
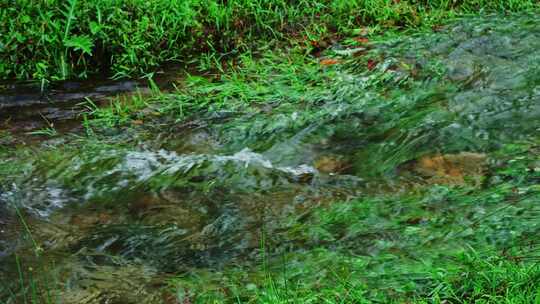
x: 60, y: 39
x: 287, y: 77
x: 480, y: 280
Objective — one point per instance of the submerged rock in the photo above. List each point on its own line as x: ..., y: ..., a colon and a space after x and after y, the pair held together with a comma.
x: 452, y: 168
x: 331, y: 164
x: 95, y: 284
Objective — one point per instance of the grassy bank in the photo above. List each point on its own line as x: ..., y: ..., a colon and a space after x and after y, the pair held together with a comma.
x: 60, y: 39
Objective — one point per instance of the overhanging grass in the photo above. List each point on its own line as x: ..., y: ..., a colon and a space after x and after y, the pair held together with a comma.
x: 58, y: 39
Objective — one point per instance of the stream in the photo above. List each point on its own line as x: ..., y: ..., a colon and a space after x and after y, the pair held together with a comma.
x: 111, y: 223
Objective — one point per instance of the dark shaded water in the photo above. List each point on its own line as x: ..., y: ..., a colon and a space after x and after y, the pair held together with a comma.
x: 26, y: 107
x: 29, y: 106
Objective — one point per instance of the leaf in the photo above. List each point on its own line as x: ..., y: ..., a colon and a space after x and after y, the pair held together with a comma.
x: 26, y: 19
x: 361, y: 31
x: 371, y: 64
x: 20, y: 38
x: 82, y: 43
x: 329, y: 61
x: 362, y: 40
x: 95, y: 27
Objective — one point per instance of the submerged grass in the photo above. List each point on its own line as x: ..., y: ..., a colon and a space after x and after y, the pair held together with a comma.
x: 57, y: 39
x: 441, y: 245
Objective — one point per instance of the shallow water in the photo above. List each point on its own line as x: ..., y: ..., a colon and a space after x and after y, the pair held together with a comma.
x: 118, y: 217
x: 29, y: 106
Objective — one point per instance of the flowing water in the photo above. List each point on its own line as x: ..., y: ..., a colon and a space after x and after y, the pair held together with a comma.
x: 114, y: 221
x: 30, y: 106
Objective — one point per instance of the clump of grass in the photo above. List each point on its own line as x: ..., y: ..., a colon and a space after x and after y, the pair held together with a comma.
x: 275, y: 77
x: 57, y: 39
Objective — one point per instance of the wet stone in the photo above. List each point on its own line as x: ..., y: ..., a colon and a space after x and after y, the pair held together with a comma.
x: 154, y: 210
x: 452, y: 168
x: 93, y: 284
x: 331, y: 164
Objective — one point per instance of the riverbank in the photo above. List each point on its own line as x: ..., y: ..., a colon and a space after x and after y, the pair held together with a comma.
x: 51, y: 40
